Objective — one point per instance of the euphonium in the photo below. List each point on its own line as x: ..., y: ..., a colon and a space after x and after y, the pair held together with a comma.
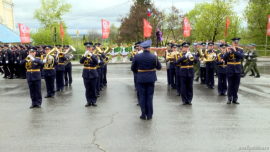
x: 170, y: 56
x: 69, y: 55
x: 50, y: 62
x: 209, y: 58
x: 109, y: 48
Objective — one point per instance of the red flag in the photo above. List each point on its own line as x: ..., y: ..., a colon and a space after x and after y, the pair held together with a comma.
x: 105, y: 29
x: 186, y: 27
x: 268, y: 25
x: 227, y: 25
x: 62, y: 31
x: 147, y: 28
x: 24, y: 33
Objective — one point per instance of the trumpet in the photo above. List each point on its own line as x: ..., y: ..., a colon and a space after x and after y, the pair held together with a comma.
x: 89, y: 55
x: 60, y: 54
x: 28, y: 59
x: 28, y: 64
x: 191, y: 57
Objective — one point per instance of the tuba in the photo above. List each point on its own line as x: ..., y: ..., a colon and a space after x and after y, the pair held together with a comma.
x: 50, y: 62
x: 108, y: 50
x: 69, y: 54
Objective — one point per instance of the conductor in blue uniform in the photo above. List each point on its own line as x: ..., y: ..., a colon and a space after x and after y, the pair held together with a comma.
x: 233, y: 56
x: 146, y: 64
x: 90, y: 74
x: 186, y: 73
x: 33, y: 76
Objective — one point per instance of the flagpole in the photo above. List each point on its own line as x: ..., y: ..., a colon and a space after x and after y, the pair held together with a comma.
x: 266, y: 45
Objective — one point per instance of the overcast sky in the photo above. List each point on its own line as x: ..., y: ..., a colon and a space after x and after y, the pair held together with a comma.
x: 24, y: 12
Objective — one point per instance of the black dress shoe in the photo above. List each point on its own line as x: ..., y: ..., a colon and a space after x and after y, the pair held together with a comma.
x: 138, y: 104
x: 98, y: 95
x: 189, y: 103
x: 168, y: 84
x: 94, y: 104
x: 57, y: 90
x: 88, y: 104
x: 101, y: 89
x: 38, y: 106
x: 47, y: 96
x: 5, y: 77
x: 69, y: 84
x: 10, y: 78
x: 23, y: 78
x: 184, y: 103
x: 243, y: 75
x: 229, y: 102
x: 257, y: 76
x: 62, y: 90
x: 235, y: 102
x: 252, y: 74
x: 32, y: 107
x: 105, y: 84
x: 220, y: 94
x: 66, y: 84
x: 149, y: 118
x: 197, y: 79
x: 143, y: 118
x: 212, y: 87
x: 178, y: 94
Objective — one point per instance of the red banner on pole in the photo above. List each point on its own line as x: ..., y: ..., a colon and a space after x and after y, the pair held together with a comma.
x: 62, y: 32
x: 227, y: 25
x: 186, y: 27
x: 105, y: 29
x: 24, y: 33
x: 268, y: 25
x: 147, y: 28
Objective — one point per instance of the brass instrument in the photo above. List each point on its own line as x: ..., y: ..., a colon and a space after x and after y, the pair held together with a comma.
x: 97, y: 51
x: 28, y: 64
x: 50, y: 62
x: 89, y: 55
x: 60, y: 54
x: 69, y: 55
x: 109, y: 49
x: 170, y: 56
x: 209, y: 57
x: 191, y: 57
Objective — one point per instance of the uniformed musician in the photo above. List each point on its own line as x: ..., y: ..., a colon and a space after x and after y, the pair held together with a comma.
x: 49, y: 71
x: 7, y: 62
x: 68, y: 69
x: 60, y: 69
x: 210, y: 66
x: 90, y: 74
x: 233, y: 57
x: 177, y: 71
x: 200, y: 57
x: 170, y: 60
x: 186, y: 73
x: 222, y: 67
x: 33, y: 76
x: 146, y: 64
x: 169, y: 49
x: 131, y: 59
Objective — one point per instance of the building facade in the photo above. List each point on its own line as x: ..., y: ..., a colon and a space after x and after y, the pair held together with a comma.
x: 6, y: 13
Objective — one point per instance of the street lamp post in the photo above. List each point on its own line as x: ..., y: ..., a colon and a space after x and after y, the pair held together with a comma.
x: 147, y: 3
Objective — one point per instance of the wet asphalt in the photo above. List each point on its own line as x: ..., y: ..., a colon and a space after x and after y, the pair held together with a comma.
x: 64, y: 124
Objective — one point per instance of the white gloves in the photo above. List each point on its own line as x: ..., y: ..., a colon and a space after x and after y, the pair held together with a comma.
x: 155, y: 53
x: 250, y: 53
x: 6, y: 62
x: 98, y: 61
x: 0, y: 61
x: 15, y: 62
x: 50, y: 57
x: 246, y: 54
x: 18, y: 58
x: 44, y: 61
x: 215, y: 55
x: 85, y: 54
x: 187, y: 54
x: 32, y: 58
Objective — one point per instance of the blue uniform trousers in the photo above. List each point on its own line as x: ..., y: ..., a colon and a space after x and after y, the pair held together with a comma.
x: 187, y: 89
x: 105, y: 76
x: 49, y: 80
x: 172, y: 77
x: 178, y: 84
x: 202, y: 74
x: 98, y: 82
x: 68, y: 75
x: 60, y: 80
x: 168, y: 76
x: 135, y: 80
x: 210, y: 73
x: 101, y: 77
x: 35, y: 92
x: 90, y: 87
x: 222, y: 83
x: 146, y: 93
x: 233, y: 85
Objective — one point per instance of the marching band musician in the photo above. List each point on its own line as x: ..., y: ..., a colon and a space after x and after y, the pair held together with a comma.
x: 177, y: 71
x: 33, y: 76
x: 146, y: 63
x: 49, y: 72
x: 210, y: 67
x: 90, y: 74
x: 170, y: 58
x: 60, y: 69
x: 168, y: 63
x: 68, y: 70
x: 1, y: 59
x: 103, y: 56
x: 134, y: 72
x: 186, y: 73
x: 222, y: 78
x: 200, y: 55
x: 233, y: 57
x: 98, y: 88
x: 105, y: 71
x: 22, y: 56
x: 7, y: 62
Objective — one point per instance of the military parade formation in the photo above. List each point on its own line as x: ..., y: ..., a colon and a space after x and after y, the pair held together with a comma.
x: 184, y: 66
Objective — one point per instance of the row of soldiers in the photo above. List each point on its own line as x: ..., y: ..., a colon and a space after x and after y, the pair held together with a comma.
x: 205, y: 62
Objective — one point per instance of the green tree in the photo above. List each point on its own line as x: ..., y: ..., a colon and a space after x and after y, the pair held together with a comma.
x: 256, y: 15
x: 208, y: 20
x: 113, y: 33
